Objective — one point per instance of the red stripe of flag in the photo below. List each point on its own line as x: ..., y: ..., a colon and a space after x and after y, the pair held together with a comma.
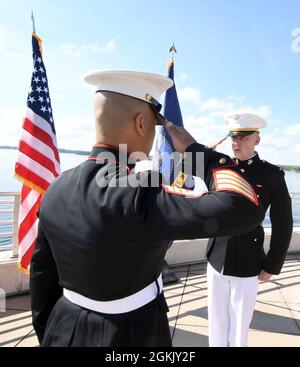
x: 38, y: 157
x: 28, y: 220
x: 31, y: 176
x: 25, y: 261
x: 41, y: 135
x: 24, y: 192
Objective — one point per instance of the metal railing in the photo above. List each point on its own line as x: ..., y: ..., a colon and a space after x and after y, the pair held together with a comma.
x: 296, y: 208
x: 9, y: 215
x: 9, y: 218
x: 295, y: 196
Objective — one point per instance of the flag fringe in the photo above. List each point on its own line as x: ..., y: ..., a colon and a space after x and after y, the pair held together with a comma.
x: 170, y: 63
x: 22, y: 269
x: 29, y: 184
x: 39, y: 41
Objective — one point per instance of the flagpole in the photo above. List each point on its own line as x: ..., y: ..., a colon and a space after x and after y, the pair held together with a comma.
x: 173, y: 51
x: 33, y: 22
x: 35, y: 35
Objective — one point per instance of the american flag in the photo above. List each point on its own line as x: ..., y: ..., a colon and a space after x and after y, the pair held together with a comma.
x: 38, y: 160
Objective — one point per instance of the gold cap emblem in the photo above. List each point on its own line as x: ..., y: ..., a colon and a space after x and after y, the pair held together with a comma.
x: 222, y: 160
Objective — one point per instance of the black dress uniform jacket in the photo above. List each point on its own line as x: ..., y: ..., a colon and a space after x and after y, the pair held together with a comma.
x: 106, y: 243
x: 244, y: 255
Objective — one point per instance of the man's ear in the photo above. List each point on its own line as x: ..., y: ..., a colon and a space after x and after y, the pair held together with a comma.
x: 257, y: 139
x: 140, y: 124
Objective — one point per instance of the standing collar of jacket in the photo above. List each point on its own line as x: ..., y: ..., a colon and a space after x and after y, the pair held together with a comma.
x: 110, y: 154
x: 248, y: 162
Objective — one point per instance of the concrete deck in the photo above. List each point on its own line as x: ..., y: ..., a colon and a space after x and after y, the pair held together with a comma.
x: 276, y: 321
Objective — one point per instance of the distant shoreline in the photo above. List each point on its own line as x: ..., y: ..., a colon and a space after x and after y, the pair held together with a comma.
x: 83, y: 152
x: 79, y: 152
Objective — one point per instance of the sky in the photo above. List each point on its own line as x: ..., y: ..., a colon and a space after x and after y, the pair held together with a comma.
x: 233, y: 56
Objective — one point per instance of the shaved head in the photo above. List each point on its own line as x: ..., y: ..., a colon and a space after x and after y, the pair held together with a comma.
x: 118, y: 119
x: 115, y: 109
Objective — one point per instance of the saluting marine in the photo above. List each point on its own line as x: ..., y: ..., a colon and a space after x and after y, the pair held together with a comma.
x: 237, y: 263
x: 95, y: 276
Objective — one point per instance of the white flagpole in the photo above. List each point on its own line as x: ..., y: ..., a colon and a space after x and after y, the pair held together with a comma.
x: 33, y: 23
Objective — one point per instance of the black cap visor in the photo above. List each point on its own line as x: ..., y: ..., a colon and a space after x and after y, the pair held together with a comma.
x: 156, y: 106
x: 161, y: 120
x: 241, y: 133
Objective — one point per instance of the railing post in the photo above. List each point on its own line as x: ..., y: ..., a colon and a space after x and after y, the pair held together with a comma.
x: 16, y: 224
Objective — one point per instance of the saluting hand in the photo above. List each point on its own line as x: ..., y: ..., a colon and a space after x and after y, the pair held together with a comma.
x: 180, y: 137
x: 219, y: 142
x: 264, y: 276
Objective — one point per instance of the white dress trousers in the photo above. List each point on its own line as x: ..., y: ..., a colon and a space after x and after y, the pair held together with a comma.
x: 231, y: 302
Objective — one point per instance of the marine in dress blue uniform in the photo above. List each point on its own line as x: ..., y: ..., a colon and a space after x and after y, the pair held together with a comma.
x: 235, y: 262
x: 95, y: 276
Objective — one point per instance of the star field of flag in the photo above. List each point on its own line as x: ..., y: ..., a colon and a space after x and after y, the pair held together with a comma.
x: 38, y: 97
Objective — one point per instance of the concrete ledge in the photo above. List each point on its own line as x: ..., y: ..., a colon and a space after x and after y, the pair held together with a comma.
x: 12, y: 280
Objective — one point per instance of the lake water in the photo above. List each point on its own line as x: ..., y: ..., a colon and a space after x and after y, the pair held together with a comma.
x: 8, y: 183
x: 7, y: 164
x: 8, y: 158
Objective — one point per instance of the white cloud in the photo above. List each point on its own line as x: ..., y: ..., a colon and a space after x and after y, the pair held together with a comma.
x: 11, y: 120
x: 77, y: 50
x: 279, y: 144
x: 292, y: 130
x: 6, y: 39
x: 190, y: 94
x: 108, y: 48
x: 183, y: 76
x: 3, y: 39
x: 215, y: 104
x: 237, y: 99
x: 71, y: 49
x: 73, y: 131
x: 220, y: 107
x: 57, y: 97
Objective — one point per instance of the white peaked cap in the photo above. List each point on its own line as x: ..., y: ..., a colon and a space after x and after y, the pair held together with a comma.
x: 244, y: 123
x: 144, y: 86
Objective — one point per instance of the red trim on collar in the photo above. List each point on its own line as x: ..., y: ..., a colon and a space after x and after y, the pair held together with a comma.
x: 106, y: 145
x: 107, y: 161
